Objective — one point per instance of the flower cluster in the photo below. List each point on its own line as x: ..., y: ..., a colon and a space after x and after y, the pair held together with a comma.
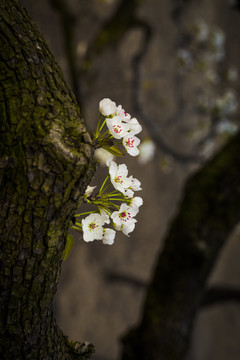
x: 122, y: 215
x: 118, y: 206
x: 204, y: 50
x: 121, y: 126
x: 216, y: 94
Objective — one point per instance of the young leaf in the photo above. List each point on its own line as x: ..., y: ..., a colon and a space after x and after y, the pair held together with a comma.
x: 114, y: 150
x: 68, y: 247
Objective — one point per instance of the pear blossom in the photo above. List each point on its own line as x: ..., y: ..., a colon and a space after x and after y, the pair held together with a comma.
x: 227, y: 104
x: 147, y: 151
x: 102, y: 156
x: 120, y: 180
x: 217, y: 42
x: 121, y: 126
x: 92, y: 227
x: 108, y: 236
x: 118, y: 176
x: 202, y: 31
x: 184, y: 58
x: 124, y: 219
x: 135, y: 203
x: 105, y: 216
x: 134, y: 126
x: 117, y: 128
x: 89, y: 190
x: 227, y: 127
x: 135, y: 184
x: 123, y: 114
x: 130, y: 142
x: 107, y: 107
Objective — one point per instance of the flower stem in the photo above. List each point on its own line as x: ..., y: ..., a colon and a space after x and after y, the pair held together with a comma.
x: 97, y: 129
x: 102, y: 125
x: 107, y: 210
x: 102, y: 189
x: 77, y: 228
x: 114, y: 199
x: 85, y: 213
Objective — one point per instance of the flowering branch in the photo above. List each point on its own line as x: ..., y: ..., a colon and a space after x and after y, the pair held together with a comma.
x: 118, y: 206
x: 120, y: 125
x: 122, y: 215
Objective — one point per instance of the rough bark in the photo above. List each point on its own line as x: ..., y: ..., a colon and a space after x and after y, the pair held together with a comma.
x: 210, y: 209
x: 45, y: 166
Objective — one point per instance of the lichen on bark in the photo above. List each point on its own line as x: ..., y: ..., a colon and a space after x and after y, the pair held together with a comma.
x: 46, y: 162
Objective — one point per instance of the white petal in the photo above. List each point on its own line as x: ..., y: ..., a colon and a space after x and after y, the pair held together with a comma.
x: 117, y: 128
x: 105, y: 216
x: 117, y: 227
x: 130, y: 142
x: 133, y: 151
x: 116, y: 220
x: 128, y: 228
x: 89, y: 190
x: 136, y: 185
x: 103, y: 156
x: 136, y: 201
x: 107, y: 107
x: 129, y: 193
x: 108, y: 236
x: 135, y: 127
x: 147, y: 151
x: 92, y: 227
x: 122, y: 113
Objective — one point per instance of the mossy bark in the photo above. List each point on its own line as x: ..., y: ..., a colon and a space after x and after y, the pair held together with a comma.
x: 46, y: 163
x: 210, y: 209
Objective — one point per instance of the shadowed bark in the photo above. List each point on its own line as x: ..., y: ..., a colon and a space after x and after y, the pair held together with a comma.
x: 210, y: 209
x: 45, y: 165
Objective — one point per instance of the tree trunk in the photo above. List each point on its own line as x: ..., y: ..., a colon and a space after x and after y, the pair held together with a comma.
x: 45, y: 165
x: 210, y: 209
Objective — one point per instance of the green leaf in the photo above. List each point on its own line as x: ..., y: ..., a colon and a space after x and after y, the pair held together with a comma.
x: 114, y: 150
x: 68, y: 247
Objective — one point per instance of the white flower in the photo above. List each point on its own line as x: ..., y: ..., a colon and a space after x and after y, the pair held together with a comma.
x: 202, y: 31
x: 134, y: 126
x: 212, y: 76
x: 120, y: 180
x: 103, y: 156
x: 118, y: 175
x: 135, y: 185
x: 117, y: 128
x: 184, y: 58
x: 108, y: 236
x: 227, y: 104
x: 124, y: 219
x: 89, y: 190
x: 122, y: 113
x: 135, y: 203
x: 218, y: 38
x: 92, y: 227
x: 105, y: 216
x: 130, y: 142
x: 107, y: 107
x: 147, y: 151
x: 217, y: 42
x: 227, y: 127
